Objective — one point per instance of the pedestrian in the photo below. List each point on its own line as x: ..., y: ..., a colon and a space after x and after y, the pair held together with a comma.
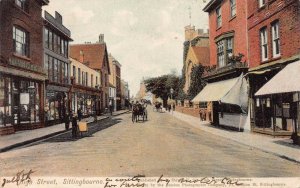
x: 110, y: 107
x: 67, y: 120
x: 79, y: 112
x: 173, y: 106
x: 74, y: 126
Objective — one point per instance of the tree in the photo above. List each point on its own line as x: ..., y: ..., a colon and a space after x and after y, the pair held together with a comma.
x: 160, y: 86
x: 197, y: 82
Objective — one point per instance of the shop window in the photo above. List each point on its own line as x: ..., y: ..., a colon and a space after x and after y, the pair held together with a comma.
x: 257, y: 102
x: 20, y: 41
x: 286, y: 110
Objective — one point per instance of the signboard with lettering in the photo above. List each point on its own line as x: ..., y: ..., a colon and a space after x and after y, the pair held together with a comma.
x: 25, y: 65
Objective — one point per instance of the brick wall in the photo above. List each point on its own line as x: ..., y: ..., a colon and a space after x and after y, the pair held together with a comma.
x: 238, y: 24
x: 31, y: 21
x: 287, y: 13
x: 189, y: 111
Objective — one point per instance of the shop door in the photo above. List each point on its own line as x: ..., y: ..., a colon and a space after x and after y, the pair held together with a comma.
x: 16, y: 103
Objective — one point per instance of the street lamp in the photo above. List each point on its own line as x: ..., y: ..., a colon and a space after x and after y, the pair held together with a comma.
x: 171, y: 91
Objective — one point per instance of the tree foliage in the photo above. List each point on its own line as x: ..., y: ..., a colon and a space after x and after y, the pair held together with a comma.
x: 160, y: 86
x: 197, y: 82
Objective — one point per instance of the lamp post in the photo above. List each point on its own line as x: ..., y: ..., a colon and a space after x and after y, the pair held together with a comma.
x: 171, y: 91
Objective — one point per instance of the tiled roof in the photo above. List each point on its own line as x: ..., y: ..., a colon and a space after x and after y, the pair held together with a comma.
x: 94, y: 54
x: 202, y: 54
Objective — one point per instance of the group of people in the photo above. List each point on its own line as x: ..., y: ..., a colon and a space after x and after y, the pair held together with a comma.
x: 72, y: 118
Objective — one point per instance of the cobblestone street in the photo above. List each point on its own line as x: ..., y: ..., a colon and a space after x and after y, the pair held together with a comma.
x: 161, y: 145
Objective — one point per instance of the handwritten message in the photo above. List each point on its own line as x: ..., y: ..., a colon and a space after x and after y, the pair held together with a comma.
x: 25, y: 178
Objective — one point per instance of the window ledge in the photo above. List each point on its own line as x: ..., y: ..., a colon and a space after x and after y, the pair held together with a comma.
x: 270, y: 60
x: 232, y: 18
x: 19, y: 8
x: 21, y: 57
x: 261, y: 8
x: 218, y: 28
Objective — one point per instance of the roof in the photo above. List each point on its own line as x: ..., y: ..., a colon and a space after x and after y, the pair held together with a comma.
x: 281, y: 82
x: 211, y: 5
x: 95, y: 54
x: 202, y: 54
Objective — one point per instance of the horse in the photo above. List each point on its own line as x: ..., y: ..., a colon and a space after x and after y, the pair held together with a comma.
x: 137, y: 111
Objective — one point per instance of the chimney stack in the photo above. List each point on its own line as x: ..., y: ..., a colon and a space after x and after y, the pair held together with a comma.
x: 81, y: 57
x: 101, y: 38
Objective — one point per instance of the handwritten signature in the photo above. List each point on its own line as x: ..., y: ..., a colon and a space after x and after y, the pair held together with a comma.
x: 205, y: 180
x: 21, y: 177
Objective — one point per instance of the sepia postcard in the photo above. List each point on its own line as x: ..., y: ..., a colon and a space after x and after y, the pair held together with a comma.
x: 149, y: 93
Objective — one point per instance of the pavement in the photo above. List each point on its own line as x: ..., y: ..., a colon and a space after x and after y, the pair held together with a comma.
x: 20, y: 138
x: 281, y: 147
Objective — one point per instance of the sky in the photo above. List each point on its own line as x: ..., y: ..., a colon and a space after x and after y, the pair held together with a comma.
x: 145, y: 36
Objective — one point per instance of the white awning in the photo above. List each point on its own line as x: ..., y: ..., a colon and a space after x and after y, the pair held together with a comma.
x: 232, y: 91
x: 215, y: 91
x: 287, y: 80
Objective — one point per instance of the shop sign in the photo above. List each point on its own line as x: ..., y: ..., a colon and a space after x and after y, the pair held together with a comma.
x: 25, y: 65
x: 24, y: 98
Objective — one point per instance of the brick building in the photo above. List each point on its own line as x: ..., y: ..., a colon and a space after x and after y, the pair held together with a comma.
x: 95, y: 56
x: 274, y: 33
x: 22, y: 74
x: 57, y: 66
x: 225, y: 92
x: 196, y: 51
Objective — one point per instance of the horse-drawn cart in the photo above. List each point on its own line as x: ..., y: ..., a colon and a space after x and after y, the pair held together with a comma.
x: 138, y: 111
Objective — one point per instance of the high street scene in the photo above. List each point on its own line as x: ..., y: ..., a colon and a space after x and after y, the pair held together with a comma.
x: 170, y: 90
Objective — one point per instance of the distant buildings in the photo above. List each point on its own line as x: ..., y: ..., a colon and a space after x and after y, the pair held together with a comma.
x: 95, y: 56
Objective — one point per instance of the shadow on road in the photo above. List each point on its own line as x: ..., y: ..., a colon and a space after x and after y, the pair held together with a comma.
x: 92, y: 129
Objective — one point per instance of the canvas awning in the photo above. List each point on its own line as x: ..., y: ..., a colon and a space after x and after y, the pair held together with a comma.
x: 287, y: 80
x: 232, y: 91
x: 215, y: 91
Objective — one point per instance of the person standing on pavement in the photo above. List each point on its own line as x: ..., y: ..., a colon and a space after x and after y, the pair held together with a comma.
x: 67, y: 120
x: 110, y: 107
x: 74, y: 126
x: 79, y: 112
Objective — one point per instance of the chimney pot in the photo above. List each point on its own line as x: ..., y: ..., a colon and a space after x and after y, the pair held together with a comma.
x: 101, y: 38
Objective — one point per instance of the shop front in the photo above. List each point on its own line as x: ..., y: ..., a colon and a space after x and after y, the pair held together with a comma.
x: 277, y: 103
x: 56, y: 104
x: 20, y: 103
x: 227, y: 101
x: 86, y: 101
